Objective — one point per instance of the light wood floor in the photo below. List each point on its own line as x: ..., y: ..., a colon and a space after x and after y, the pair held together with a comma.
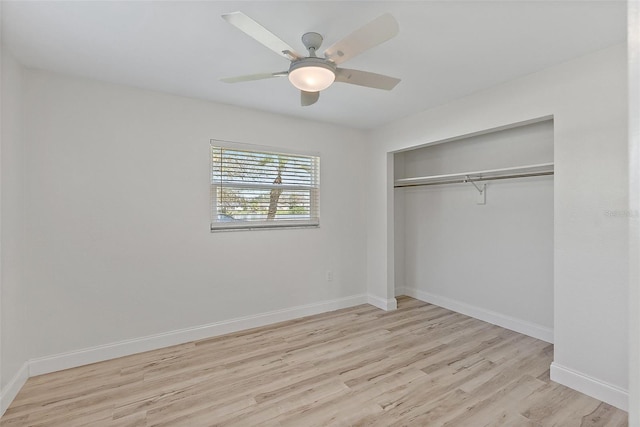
x: 421, y: 365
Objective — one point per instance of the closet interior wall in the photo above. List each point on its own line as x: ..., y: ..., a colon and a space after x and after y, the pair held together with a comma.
x: 495, y: 259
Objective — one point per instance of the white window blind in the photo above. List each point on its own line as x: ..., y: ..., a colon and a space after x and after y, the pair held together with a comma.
x: 259, y: 187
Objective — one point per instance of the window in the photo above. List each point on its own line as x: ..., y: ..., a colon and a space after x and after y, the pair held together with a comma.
x: 260, y: 187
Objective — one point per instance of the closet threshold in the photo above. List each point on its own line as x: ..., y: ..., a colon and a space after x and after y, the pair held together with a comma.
x: 541, y: 169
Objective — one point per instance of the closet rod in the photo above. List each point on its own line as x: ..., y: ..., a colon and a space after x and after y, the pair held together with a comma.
x: 477, y: 179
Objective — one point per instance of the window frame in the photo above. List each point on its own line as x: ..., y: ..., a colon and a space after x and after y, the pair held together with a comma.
x: 240, y: 225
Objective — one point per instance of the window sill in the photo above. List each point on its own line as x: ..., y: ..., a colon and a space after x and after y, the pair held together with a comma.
x: 219, y: 229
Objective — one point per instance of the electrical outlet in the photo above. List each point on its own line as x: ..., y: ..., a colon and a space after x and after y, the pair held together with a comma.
x: 329, y: 276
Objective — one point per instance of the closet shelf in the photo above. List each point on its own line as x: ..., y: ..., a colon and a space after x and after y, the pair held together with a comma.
x: 486, y: 175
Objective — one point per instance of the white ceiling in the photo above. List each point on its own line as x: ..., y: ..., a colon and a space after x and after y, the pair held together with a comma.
x: 445, y: 50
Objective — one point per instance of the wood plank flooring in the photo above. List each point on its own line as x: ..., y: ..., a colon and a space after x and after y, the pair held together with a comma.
x: 421, y: 365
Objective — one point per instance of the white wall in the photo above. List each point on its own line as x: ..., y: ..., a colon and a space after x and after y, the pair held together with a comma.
x: 118, y: 216
x: 496, y: 258
x: 633, y: 41
x: 587, y: 98
x: 522, y: 145
x: 13, y: 297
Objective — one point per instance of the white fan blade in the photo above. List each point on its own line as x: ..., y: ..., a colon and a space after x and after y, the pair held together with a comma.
x: 250, y: 77
x: 372, y: 34
x: 261, y: 34
x: 308, y: 98
x: 365, y: 78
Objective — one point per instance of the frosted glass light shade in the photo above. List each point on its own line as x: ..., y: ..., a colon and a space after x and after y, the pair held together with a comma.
x: 311, y: 78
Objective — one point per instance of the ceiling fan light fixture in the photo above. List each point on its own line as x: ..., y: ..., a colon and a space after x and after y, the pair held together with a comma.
x: 312, y: 74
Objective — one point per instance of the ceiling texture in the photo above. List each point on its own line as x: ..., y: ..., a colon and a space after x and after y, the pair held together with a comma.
x: 444, y: 50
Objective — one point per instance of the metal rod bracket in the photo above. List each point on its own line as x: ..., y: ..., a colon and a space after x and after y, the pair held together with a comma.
x: 480, y: 190
x: 482, y: 196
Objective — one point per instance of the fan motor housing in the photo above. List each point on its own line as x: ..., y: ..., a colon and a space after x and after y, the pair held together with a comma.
x: 312, y: 62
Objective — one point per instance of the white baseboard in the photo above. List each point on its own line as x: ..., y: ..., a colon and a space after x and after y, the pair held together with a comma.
x: 10, y: 391
x: 72, y: 359
x: 590, y: 386
x: 400, y: 291
x: 508, y: 322
x: 578, y: 381
x: 385, y: 304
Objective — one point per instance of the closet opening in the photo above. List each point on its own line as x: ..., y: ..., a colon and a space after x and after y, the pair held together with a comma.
x: 473, y: 226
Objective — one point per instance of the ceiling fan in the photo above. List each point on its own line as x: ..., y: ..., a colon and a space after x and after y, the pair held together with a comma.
x: 312, y: 74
